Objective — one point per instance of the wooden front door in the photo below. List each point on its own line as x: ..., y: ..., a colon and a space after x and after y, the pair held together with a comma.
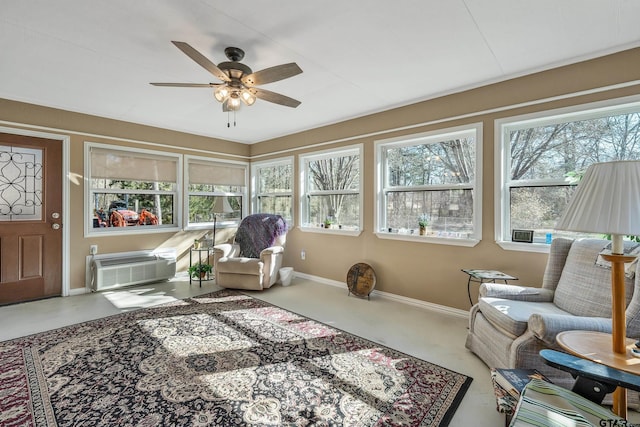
x: 30, y: 218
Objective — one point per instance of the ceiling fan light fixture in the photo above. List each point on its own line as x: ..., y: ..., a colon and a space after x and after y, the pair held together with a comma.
x: 222, y: 93
x: 247, y: 97
x: 234, y: 102
x: 238, y: 80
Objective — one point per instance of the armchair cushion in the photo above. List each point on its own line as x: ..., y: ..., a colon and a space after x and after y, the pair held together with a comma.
x: 545, y: 326
x: 240, y: 265
x: 514, y: 292
x: 512, y: 316
x: 226, y: 250
x: 584, y: 287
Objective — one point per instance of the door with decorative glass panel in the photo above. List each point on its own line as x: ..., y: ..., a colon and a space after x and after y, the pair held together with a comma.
x: 30, y: 218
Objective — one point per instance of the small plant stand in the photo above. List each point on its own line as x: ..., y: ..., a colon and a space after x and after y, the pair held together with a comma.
x: 200, y: 250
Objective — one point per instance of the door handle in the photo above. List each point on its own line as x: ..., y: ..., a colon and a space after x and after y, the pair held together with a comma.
x: 55, y: 226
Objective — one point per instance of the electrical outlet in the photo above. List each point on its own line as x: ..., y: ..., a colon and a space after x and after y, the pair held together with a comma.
x: 93, y: 249
x: 303, y: 255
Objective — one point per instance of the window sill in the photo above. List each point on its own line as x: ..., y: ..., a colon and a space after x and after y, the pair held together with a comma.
x: 124, y: 231
x: 524, y: 247
x: 335, y: 231
x: 209, y: 225
x: 429, y: 239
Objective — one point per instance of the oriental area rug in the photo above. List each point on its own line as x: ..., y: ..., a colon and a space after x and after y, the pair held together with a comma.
x: 220, y: 359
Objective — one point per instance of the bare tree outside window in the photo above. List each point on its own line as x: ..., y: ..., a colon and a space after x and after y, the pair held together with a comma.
x: 274, y: 191
x: 431, y: 180
x: 333, y: 190
x: 543, y: 156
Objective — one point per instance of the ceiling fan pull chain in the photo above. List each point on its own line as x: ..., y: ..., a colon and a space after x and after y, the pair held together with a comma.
x: 234, y: 118
x: 228, y: 125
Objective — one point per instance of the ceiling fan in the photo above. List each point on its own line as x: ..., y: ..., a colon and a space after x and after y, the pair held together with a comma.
x: 238, y: 81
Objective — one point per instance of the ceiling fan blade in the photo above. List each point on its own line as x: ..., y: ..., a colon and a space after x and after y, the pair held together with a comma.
x: 186, y: 84
x: 276, y: 98
x: 272, y: 74
x: 201, y: 60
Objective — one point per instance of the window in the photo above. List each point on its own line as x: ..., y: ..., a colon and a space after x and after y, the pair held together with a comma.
x: 273, y: 188
x: 331, y: 189
x: 433, y: 178
x: 544, y: 157
x: 130, y: 190
x: 216, y: 190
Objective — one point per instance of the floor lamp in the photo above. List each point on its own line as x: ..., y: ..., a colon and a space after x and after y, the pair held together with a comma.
x: 221, y: 206
x: 607, y: 201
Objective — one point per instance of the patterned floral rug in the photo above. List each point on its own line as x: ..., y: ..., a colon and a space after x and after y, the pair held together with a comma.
x: 221, y: 359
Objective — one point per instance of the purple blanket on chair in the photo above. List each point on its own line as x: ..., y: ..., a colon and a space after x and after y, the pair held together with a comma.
x: 257, y: 232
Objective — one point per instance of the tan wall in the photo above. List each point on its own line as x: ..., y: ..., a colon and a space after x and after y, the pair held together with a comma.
x: 428, y: 272
x: 83, y: 128
x: 431, y: 272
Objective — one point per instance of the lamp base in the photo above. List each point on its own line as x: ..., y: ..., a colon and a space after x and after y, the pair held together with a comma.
x: 618, y: 320
x: 618, y: 299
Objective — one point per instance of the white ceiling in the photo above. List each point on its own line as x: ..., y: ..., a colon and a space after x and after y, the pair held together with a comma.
x: 358, y: 56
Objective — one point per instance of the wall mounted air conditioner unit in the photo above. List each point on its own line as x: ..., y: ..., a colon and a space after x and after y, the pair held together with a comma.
x: 118, y: 270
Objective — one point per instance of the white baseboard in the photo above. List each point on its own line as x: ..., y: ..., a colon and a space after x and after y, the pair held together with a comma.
x: 443, y: 309
x: 78, y: 291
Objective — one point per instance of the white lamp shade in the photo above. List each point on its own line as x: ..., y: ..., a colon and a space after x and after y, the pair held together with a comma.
x: 606, y: 201
x: 222, y: 205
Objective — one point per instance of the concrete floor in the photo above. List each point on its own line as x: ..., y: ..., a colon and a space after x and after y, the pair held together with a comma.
x: 431, y: 336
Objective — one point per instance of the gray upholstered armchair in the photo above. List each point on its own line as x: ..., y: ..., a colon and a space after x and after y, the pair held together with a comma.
x: 253, y: 260
x: 510, y: 324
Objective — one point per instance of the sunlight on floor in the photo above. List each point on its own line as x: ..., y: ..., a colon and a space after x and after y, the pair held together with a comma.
x: 137, y: 298
x: 420, y: 333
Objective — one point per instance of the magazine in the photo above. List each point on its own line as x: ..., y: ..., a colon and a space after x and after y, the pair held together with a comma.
x: 514, y: 380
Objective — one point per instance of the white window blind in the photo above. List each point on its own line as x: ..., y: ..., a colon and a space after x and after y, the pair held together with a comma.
x: 216, y: 174
x: 126, y: 165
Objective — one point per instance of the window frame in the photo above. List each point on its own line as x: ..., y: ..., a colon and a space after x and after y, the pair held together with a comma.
x: 503, y: 184
x: 255, y: 194
x: 90, y: 231
x: 244, y: 194
x: 439, y: 135
x: 304, y: 160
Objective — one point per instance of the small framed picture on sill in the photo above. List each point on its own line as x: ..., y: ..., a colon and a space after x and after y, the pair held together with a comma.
x: 522, y: 236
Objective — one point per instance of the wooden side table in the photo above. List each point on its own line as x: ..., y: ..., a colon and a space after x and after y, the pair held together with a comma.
x: 596, y: 346
x: 482, y: 276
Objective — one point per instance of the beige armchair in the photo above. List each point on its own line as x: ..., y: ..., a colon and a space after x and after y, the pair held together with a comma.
x: 510, y: 324
x: 253, y: 260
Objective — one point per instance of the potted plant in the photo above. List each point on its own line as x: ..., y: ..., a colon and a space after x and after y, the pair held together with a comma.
x: 423, y: 222
x: 327, y: 223
x: 199, y: 270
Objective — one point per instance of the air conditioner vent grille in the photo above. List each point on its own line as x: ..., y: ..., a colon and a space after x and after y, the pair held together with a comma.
x: 119, y: 271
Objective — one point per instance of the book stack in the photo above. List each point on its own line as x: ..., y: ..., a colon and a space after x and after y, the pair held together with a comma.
x: 546, y: 404
x: 514, y: 380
